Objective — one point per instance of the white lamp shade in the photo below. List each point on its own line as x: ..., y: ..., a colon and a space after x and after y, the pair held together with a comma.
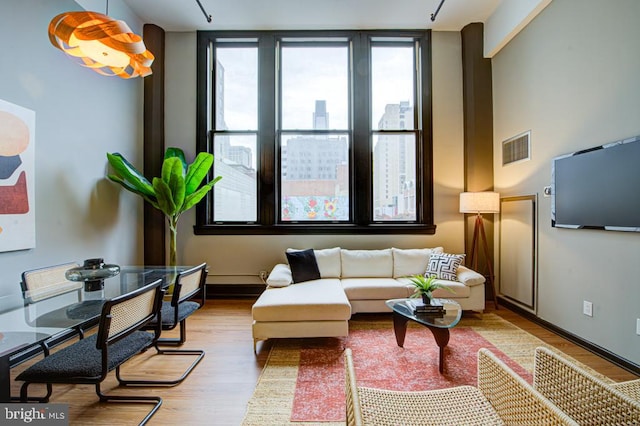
x: 480, y: 202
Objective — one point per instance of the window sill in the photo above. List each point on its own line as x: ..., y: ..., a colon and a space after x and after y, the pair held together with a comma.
x: 306, y: 228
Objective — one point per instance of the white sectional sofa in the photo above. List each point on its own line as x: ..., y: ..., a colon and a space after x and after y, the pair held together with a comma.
x: 351, y: 281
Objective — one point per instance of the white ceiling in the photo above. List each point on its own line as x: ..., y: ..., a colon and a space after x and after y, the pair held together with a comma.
x: 185, y: 15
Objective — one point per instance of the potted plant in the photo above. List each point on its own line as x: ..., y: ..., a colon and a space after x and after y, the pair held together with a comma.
x: 425, y: 286
x: 176, y: 191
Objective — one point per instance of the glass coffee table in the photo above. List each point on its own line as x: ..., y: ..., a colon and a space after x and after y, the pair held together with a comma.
x: 403, y: 311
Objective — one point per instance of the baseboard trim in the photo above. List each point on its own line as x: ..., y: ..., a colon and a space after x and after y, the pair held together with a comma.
x: 244, y: 291
x: 598, y: 350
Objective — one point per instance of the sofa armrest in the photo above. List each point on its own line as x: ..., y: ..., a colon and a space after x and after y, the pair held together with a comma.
x: 280, y: 276
x: 469, y: 277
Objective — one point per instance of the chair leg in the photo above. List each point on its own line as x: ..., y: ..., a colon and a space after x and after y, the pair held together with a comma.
x: 179, y: 341
x: 197, y: 352
x: 23, y: 390
x: 156, y: 400
x: 24, y: 396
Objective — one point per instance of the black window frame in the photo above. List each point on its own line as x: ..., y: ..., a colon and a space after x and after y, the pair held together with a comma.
x: 360, y: 140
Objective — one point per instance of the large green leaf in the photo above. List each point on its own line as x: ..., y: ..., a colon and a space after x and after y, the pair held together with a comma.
x: 179, y: 154
x: 130, y: 173
x: 165, y: 199
x: 126, y: 185
x: 193, y: 199
x: 172, y: 176
x: 198, y: 171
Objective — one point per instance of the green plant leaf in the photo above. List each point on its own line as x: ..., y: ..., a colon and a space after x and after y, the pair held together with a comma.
x: 197, y: 171
x: 193, y: 199
x: 172, y: 176
x: 173, y: 152
x: 165, y: 199
x: 130, y: 174
x: 126, y: 185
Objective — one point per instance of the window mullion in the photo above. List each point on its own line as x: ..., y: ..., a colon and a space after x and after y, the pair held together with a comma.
x: 361, y: 146
x: 267, y: 166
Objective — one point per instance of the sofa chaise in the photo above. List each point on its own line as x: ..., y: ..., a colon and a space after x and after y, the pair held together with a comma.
x: 350, y: 282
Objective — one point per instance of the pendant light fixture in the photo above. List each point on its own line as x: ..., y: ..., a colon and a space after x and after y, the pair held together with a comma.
x: 105, y: 45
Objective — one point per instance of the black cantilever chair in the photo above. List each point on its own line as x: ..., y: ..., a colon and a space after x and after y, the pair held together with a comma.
x: 119, y: 338
x: 175, y: 312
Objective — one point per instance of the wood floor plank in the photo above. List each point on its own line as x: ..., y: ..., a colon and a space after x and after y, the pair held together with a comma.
x: 217, y: 391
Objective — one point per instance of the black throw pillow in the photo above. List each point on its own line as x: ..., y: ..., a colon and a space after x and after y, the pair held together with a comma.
x: 304, y: 266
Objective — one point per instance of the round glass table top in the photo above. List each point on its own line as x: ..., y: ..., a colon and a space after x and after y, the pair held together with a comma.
x: 448, y: 317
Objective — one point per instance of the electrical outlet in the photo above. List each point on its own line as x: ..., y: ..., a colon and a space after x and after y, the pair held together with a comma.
x: 638, y: 326
x: 587, y: 308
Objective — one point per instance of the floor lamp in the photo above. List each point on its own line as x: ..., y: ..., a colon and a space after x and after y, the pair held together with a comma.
x: 478, y: 203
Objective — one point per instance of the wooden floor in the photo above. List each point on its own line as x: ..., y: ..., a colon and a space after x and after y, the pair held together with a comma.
x: 219, y: 388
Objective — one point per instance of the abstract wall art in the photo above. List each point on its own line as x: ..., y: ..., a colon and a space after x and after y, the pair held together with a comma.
x: 17, y: 180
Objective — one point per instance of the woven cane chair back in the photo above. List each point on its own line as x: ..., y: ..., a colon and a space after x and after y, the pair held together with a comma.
x: 44, y: 283
x: 583, y: 396
x: 515, y: 400
x: 631, y: 388
x: 129, y: 312
x: 189, y: 283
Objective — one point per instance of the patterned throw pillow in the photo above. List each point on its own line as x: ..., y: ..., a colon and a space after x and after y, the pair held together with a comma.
x: 444, y: 266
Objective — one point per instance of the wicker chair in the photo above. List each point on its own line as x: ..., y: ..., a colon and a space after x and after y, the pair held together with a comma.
x: 631, y: 388
x: 584, y: 397
x: 502, y: 397
x: 88, y: 361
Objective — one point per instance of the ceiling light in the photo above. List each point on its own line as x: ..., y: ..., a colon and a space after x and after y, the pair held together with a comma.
x: 101, y: 43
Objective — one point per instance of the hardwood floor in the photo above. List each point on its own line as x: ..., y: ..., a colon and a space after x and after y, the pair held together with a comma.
x: 217, y: 391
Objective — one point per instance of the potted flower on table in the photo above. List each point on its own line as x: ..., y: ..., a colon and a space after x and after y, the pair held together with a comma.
x: 424, y: 286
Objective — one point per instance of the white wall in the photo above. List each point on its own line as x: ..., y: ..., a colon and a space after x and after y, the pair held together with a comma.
x: 80, y: 115
x: 234, y: 258
x: 571, y: 77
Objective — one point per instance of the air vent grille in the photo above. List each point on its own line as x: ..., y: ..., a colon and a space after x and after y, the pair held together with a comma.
x: 517, y: 148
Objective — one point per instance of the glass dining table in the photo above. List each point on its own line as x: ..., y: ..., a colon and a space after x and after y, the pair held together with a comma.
x: 25, y: 330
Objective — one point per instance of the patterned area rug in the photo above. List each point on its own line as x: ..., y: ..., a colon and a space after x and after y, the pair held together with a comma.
x: 303, y: 379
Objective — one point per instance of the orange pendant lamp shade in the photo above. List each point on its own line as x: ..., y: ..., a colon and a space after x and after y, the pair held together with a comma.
x: 105, y: 45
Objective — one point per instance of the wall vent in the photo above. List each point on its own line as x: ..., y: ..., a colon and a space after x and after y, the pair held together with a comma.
x: 517, y: 148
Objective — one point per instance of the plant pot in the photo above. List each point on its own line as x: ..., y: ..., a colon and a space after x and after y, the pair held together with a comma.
x: 426, y: 299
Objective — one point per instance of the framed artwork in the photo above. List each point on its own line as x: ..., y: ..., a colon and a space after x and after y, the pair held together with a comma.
x: 17, y: 177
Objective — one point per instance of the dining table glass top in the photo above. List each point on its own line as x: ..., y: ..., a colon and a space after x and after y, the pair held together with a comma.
x: 32, y: 323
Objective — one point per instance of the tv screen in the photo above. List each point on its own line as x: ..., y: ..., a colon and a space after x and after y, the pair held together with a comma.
x: 598, y: 188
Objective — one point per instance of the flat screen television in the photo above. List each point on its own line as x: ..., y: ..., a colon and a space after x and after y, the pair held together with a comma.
x: 598, y: 188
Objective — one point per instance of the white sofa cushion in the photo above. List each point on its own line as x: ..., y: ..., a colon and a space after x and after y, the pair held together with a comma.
x: 329, y: 262
x: 374, y: 288
x: 280, y: 276
x: 407, y: 262
x: 313, y: 300
x: 367, y: 263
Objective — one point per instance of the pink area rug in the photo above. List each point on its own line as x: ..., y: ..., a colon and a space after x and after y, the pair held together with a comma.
x: 379, y: 362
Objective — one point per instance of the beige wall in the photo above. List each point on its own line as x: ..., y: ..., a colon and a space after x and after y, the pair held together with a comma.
x: 571, y: 77
x: 235, y: 258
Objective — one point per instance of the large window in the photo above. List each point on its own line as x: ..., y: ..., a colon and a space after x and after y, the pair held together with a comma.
x: 316, y: 131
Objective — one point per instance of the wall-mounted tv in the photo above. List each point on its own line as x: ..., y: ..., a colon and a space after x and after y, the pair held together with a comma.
x: 598, y: 188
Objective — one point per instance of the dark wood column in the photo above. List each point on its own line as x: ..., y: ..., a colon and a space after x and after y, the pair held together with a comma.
x: 154, y: 221
x: 478, y: 129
